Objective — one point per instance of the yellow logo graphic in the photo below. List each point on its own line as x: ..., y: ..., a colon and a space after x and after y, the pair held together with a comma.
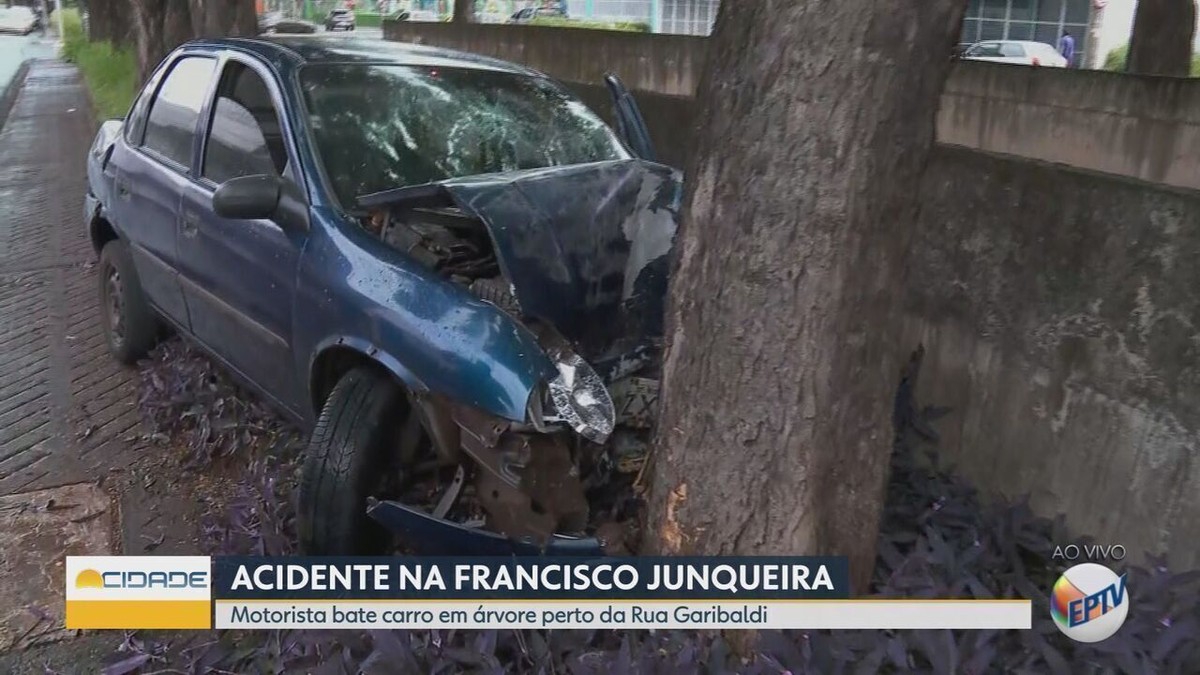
x: 138, y: 592
x: 89, y: 579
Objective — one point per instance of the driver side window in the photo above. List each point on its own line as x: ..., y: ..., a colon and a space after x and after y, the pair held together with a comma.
x: 245, y: 138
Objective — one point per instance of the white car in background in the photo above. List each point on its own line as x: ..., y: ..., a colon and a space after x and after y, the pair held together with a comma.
x: 17, y: 20
x: 1016, y: 51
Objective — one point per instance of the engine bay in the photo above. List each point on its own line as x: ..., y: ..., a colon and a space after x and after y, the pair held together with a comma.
x: 557, y: 475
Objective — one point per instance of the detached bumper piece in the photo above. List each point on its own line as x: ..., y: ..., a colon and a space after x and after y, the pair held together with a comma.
x: 434, y: 536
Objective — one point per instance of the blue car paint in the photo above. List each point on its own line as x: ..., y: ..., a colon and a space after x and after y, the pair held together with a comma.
x: 349, y: 290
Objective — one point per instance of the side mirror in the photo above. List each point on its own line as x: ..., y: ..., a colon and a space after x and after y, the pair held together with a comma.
x: 262, y: 196
x: 248, y: 197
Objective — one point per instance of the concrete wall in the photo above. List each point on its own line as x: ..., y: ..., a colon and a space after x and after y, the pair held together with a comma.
x: 1061, y: 317
x: 665, y: 64
x: 1141, y: 127
x: 1060, y: 308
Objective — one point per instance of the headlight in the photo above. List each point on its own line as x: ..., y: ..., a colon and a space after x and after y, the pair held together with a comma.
x: 581, y: 399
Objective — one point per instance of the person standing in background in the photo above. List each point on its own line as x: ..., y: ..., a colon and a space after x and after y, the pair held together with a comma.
x: 1066, y: 47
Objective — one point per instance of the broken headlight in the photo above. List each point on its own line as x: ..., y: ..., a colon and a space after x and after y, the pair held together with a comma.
x: 579, y: 398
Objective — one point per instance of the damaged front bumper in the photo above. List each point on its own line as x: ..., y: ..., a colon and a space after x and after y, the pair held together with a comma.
x: 563, y: 483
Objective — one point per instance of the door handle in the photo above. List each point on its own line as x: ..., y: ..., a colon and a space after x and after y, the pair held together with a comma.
x: 122, y: 189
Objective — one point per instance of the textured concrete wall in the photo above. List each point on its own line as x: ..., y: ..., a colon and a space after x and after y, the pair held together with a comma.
x: 666, y: 64
x: 1142, y: 127
x: 1061, y: 316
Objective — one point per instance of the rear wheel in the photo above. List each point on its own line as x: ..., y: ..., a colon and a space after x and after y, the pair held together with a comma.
x: 130, y: 327
x: 365, y: 436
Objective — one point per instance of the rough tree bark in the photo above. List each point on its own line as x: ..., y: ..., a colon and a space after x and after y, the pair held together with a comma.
x: 216, y: 18
x: 162, y: 25
x: 110, y: 21
x: 464, y: 11
x: 783, y: 347
x: 1163, y: 31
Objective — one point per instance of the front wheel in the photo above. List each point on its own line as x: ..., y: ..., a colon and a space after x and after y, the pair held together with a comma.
x: 364, y: 436
x: 130, y: 327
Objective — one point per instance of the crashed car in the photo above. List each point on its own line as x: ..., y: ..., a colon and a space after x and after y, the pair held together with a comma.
x: 446, y: 266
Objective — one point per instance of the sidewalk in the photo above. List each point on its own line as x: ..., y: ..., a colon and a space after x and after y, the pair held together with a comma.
x: 72, y: 453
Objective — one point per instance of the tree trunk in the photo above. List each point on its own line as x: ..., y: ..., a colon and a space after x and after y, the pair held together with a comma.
x: 464, y: 11
x: 160, y: 26
x: 163, y: 25
x: 218, y: 18
x: 1163, y: 31
x: 111, y: 21
x: 774, y: 428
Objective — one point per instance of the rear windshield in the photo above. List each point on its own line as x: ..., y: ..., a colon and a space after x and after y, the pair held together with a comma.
x: 379, y: 127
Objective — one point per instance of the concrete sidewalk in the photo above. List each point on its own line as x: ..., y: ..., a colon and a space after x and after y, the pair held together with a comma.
x: 73, y: 457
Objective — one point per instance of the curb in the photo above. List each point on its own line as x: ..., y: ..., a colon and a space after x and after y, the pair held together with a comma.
x: 9, y: 96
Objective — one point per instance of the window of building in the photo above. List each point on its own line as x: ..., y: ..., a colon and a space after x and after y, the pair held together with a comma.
x: 1038, y: 20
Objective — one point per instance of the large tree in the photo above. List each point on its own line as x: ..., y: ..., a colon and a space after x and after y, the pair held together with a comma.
x: 110, y: 21
x: 1163, y: 32
x: 464, y: 11
x: 784, y: 344
x: 162, y: 25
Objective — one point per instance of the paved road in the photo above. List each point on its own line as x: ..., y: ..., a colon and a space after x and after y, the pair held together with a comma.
x: 16, y: 49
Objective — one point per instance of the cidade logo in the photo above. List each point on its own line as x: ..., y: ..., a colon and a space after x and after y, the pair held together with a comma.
x: 1089, y: 602
x: 90, y: 578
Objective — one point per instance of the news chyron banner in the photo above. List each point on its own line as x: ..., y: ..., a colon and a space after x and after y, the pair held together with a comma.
x: 544, y: 592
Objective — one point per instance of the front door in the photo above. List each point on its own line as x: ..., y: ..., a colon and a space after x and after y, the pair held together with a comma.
x: 239, y: 276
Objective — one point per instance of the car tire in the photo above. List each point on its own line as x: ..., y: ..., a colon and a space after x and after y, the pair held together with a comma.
x: 354, y: 447
x: 130, y: 327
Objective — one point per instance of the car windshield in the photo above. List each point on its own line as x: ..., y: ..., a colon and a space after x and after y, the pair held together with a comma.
x: 379, y: 127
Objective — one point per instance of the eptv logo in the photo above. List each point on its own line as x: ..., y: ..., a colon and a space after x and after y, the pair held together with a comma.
x: 1089, y: 602
x: 139, y: 592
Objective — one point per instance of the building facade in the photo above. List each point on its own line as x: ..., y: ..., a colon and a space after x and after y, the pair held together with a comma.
x: 1037, y: 20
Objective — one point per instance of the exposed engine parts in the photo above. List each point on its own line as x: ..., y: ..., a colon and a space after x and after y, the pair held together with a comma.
x: 568, y: 473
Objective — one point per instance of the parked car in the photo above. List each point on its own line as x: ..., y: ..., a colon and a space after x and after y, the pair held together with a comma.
x: 445, y: 266
x: 275, y: 22
x: 340, y: 19
x: 18, y: 20
x: 530, y: 13
x: 1016, y: 51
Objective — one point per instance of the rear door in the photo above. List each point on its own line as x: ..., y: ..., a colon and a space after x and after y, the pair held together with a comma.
x: 150, y: 169
x: 239, y: 276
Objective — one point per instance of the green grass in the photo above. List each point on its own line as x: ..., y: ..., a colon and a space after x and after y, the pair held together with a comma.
x: 362, y: 19
x: 111, y: 73
x: 1115, y: 61
x: 559, y: 22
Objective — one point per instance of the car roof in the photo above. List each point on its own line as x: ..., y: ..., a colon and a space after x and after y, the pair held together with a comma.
x: 302, y: 50
x: 1027, y: 43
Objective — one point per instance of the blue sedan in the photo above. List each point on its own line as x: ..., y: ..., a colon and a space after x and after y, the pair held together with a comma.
x: 445, y: 266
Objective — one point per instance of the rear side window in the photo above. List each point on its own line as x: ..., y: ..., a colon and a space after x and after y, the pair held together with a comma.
x: 1010, y: 49
x: 171, y: 125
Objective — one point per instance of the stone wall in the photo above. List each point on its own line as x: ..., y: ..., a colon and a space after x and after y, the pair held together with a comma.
x: 1061, y: 316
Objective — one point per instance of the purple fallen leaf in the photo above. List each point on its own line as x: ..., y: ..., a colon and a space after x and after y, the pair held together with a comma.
x: 126, y: 666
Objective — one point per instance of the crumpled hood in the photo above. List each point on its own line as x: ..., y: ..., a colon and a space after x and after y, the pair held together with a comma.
x: 585, y: 247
